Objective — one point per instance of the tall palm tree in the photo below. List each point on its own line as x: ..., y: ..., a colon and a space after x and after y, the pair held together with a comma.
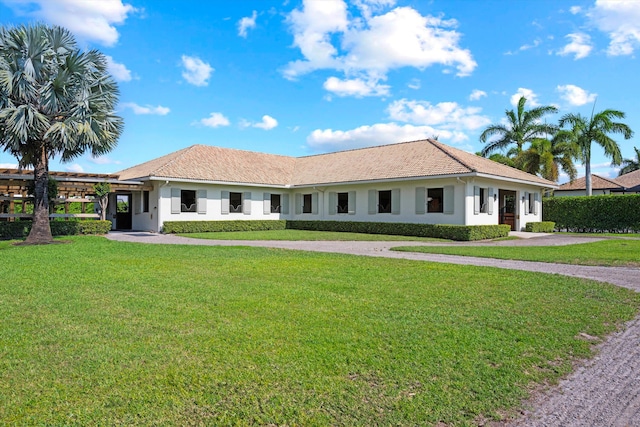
x: 547, y: 157
x: 54, y: 101
x: 523, y: 126
x: 630, y: 165
x: 597, y: 129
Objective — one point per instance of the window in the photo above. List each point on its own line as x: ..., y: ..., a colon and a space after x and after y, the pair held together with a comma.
x: 235, y: 202
x: 384, y: 201
x: 306, y: 203
x: 343, y: 203
x: 145, y: 201
x: 530, y: 203
x: 187, y: 201
x: 276, y: 207
x: 435, y: 198
x: 483, y: 199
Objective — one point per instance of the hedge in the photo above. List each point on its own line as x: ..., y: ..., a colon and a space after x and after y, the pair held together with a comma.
x: 213, y: 226
x: 442, y: 231
x: 452, y: 232
x: 540, y: 227
x: 613, y: 214
x: 21, y: 229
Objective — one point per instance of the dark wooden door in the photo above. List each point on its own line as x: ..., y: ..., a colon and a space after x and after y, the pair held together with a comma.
x: 123, y: 212
x: 508, y: 208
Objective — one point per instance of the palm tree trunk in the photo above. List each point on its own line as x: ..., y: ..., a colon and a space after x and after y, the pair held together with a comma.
x: 587, y: 173
x: 40, y: 229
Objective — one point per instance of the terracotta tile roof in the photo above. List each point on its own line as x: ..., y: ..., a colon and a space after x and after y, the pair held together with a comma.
x: 425, y: 158
x: 597, y: 183
x: 629, y: 180
x: 206, y: 163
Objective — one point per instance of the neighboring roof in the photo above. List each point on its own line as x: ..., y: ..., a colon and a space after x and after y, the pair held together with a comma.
x: 630, y: 180
x: 207, y: 163
x: 597, y: 183
x: 416, y: 159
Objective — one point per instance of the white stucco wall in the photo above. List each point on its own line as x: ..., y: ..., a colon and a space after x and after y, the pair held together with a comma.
x: 463, y: 203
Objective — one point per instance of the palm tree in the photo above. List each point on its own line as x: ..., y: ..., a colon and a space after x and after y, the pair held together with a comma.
x: 54, y: 101
x: 586, y: 131
x: 547, y: 157
x: 523, y: 126
x: 630, y: 165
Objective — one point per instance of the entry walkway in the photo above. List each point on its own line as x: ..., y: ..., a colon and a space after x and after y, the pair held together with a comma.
x: 605, y: 391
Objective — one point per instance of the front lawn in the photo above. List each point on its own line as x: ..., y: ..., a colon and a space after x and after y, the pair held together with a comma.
x: 615, y: 252
x: 295, y: 235
x: 96, y: 332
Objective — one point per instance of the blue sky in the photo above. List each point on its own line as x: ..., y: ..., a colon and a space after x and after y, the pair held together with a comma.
x: 306, y: 77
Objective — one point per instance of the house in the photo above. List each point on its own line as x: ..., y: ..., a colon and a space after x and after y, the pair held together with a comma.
x: 624, y: 184
x: 415, y: 182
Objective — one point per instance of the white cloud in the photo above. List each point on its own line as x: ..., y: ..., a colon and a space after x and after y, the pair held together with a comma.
x: 355, y: 87
x: 365, y: 48
x: 580, y: 46
x: 215, y: 120
x: 620, y: 19
x: 247, y: 23
x: 532, y: 98
x: 575, y: 95
x: 377, y: 134
x: 535, y: 43
x: 446, y: 115
x: 117, y: 70
x: 267, y: 123
x: 575, y: 10
x: 476, y: 94
x: 104, y: 160
x: 88, y: 20
x: 158, y: 110
x: 8, y: 166
x: 74, y: 168
x: 196, y: 71
x: 414, y: 84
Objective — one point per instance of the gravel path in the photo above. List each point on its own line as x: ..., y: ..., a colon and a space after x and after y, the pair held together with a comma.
x: 604, y: 391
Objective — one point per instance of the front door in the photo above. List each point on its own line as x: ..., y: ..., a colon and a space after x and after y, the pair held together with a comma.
x: 123, y: 211
x: 508, y: 208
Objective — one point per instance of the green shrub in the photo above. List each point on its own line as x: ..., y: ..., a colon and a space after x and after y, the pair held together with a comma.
x: 442, y: 231
x: 21, y: 229
x: 213, y: 226
x: 613, y: 214
x: 540, y: 227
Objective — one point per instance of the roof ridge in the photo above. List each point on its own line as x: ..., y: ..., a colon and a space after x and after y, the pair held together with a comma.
x: 440, y: 147
x: 611, y: 180
x: 360, y: 149
x: 173, y: 154
x: 182, y: 153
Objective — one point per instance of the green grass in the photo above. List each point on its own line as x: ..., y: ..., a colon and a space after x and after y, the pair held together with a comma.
x: 620, y: 235
x: 304, y: 235
x: 615, y: 252
x: 97, y: 332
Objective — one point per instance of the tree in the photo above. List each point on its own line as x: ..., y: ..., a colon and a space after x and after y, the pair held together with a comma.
x: 102, y: 190
x: 630, y: 165
x: 547, y: 157
x: 523, y: 126
x: 586, y: 131
x: 54, y: 101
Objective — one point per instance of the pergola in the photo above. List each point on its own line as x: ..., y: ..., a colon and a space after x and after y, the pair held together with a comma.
x: 73, y: 187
